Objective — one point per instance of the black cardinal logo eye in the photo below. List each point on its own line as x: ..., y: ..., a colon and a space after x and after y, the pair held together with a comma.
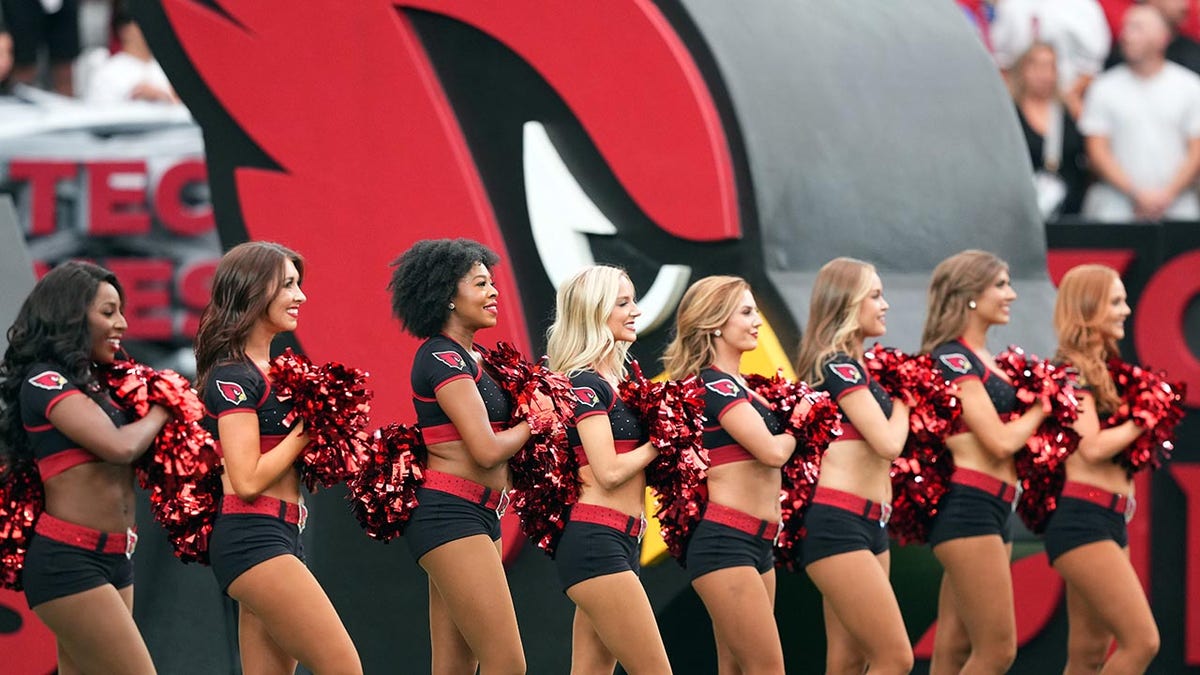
x: 586, y: 395
x: 956, y: 362
x: 452, y: 359
x: 724, y: 387
x: 48, y: 380
x: 232, y: 392
x: 846, y: 371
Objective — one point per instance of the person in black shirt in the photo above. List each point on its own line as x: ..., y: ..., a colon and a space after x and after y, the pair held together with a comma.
x: 78, y: 573
x: 1181, y: 49
x: 284, y: 616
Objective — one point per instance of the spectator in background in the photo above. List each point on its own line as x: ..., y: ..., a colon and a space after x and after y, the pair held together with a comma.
x: 6, y: 62
x: 131, y: 74
x: 53, y: 23
x: 1142, y: 124
x: 1182, y: 49
x: 1055, y: 144
x: 1075, y: 28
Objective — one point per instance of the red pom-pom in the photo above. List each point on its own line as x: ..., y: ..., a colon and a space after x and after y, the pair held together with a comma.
x: 672, y: 413
x: 334, y: 402
x: 545, y: 472
x: 181, y: 470
x: 21, y: 502
x: 813, y: 418
x: 1041, y: 464
x: 383, y: 493
x: 1154, y: 404
x: 921, y: 474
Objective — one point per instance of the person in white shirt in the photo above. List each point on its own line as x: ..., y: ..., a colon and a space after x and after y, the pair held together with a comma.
x: 1142, y: 123
x: 131, y: 74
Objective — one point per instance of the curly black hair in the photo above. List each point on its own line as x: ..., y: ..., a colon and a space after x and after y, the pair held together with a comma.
x: 426, y: 277
x: 51, y: 327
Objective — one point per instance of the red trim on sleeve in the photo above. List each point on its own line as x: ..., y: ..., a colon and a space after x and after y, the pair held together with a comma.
x: 966, y: 376
x: 730, y: 405
x: 235, y: 410
x: 448, y: 380
x: 58, y: 399
x: 590, y: 413
x: 847, y: 390
x: 38, y: 428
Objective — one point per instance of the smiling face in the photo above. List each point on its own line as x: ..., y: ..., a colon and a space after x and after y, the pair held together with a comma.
x: 993, y: 305
x: 283, y: 314
x: 740, y: 330
x: 1114, y: 312
x: 475, y: 299
x: 621, y: 318
x: 106, y: 323
x: 872, y: 311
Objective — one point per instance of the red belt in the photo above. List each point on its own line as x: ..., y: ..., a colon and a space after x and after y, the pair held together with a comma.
x: 633, y: 526
x: 85, y: 537
x: 989, y: 484
x: 738, y: 520
x: 1122, y: 504
x: 854, y: 504
x: 465, y: 489
x: 296, y: 514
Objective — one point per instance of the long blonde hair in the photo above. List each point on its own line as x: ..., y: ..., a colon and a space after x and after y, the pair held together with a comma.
x: 1078, y: 310
x: 580, y: 339
x: 956, y: 281
x: 838, y: 292
x: 705, y: 307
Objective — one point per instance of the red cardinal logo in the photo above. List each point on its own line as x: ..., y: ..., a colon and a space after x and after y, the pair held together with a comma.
x: 48, y: 380
x: 847, y: 371
x: 452, y: 359
x: 724, y: 387
x: 956, y: 362
x: 232, y: 392
x: 587, y: 396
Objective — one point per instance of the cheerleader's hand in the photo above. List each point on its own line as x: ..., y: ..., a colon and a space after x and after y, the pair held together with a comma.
x: 799, y: 416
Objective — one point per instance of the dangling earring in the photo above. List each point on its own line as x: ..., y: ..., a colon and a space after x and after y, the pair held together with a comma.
x: 717, y: 333
x: 970, y: 304
x: 452, y: 307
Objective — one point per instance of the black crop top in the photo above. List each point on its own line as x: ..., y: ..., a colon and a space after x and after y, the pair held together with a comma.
x: 722, y: 392
x: 439, y: 361
x: 241, y: 387
x: 597, y: 397
x: 957, y: 362
x: 45, y: 387
x: 844, y: 374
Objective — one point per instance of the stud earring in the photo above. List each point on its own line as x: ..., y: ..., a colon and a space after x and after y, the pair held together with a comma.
x: 717, y: 332
x: 452, y: 307
x: 971, y: 304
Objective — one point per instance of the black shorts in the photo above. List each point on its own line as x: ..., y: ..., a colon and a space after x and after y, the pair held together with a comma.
x: 31, y: 27
x: 833, y: 531
x: 970, y: 512
x: 441, y: 518
x: 55, y: 570
x: 1077, y: 522
x: 240, y: 541
x: 714, y: 546
x: 588, y: 550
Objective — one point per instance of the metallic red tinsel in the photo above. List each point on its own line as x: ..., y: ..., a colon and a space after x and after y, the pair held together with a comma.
x: 545, y: 472
x: 813, y: 418
x: 672, y: 412
x: 182, y: 470
x: 335, y: 404
x: 21, y: 502
x: 921, y: 474
x: 383, y: 493
x: 1041, y: 464
x: 1154, y: 404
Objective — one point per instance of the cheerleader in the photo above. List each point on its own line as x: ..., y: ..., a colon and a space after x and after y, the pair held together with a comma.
x: 78, y: 573
x: 845, y: 549
x: 972, y: 533
x: 442, y: 292
x: 598, y: 554
x: 1086, y: 538
x: 284, y: 616
x: 730, y: 555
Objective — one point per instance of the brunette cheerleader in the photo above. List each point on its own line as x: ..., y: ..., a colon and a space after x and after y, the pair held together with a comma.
x: 284, y: 616
x: 1086, y: 539
x: 78, y: 572
x: 971, y: 536
x: 442, y: 292
x: 730, y: 556
x: 598, y: 553
x: 846, y: 546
